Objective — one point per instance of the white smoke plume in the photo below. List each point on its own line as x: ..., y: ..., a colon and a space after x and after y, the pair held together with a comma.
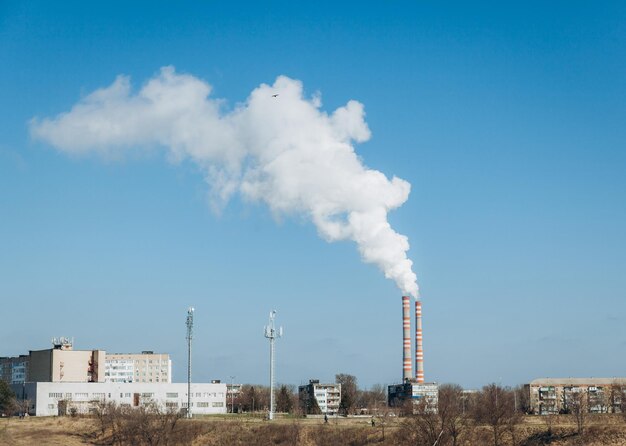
x: 281, y: 150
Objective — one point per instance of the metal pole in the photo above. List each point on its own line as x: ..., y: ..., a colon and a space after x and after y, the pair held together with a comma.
x: 189, y: 337
x: 232, y: 394
x: 271, y: 415
x: 271, y: 333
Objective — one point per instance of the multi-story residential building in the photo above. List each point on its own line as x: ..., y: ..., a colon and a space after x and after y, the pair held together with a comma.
x: 54, y: 398
x: 327, y: 396
x: 59, y: 364
x: 557, y: 395
x: 144, y: 367
x: 14, y: 370
x: 64, y: 364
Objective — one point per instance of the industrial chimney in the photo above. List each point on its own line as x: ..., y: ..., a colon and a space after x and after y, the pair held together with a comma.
x: 419, y: 352
x: 406, y: 335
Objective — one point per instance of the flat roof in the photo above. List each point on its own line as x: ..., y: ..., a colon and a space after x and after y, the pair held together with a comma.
x: 577, y: 381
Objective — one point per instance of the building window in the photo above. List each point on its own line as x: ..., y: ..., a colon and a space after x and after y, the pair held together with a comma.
x: 218, y: 404
x: 171, y: 395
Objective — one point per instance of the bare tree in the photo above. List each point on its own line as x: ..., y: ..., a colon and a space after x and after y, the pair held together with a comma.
x: 494, y: 407
x: 614, y: 397
x: 145, y: 425
x: 422, y: 428
x: 372, y: 399
x: 284, y: 399
x: 253, y: 398
x: 348, y: 392
x: 578, y: 407
x: 454, y: 419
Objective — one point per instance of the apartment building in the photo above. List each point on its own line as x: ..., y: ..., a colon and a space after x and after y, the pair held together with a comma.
x: 62, y: 363
x: 144, y: 367
x: 557, y: 395
x: 327, y: 396
x: 14, y: 370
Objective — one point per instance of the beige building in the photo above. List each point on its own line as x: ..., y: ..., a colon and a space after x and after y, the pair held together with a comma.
x: 64, y: 364
x: 555, y: 395
x: 144, y: 367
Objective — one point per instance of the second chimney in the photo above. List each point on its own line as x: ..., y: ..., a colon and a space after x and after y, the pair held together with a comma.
x: 406, y: 334
x: 419, y: 352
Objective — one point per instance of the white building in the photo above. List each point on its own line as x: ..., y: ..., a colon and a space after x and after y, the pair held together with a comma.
x: 50, y: 399
x: 327, y: 396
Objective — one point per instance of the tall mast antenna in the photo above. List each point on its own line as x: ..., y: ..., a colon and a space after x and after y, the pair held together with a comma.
x: 190, y: 311
x: 271, y: 333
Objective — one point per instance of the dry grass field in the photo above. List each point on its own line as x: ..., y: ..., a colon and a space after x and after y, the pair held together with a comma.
x: 232, y: 431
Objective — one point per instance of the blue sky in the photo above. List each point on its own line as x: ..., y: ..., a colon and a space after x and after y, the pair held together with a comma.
x: 507, y: 120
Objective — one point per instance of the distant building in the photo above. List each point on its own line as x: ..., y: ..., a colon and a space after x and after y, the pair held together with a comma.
x: 14, y: 370
x: 417, y: 393
x: 554, y: 395
x: 66, y: 365
x: 144, y: 367
x: 233, y: 392
x: 54, y: 398
x: 62, y: 363
x: 327, y: 396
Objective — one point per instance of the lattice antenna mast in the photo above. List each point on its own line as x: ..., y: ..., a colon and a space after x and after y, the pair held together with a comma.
x: 271, y: 333
x: 189, y: 323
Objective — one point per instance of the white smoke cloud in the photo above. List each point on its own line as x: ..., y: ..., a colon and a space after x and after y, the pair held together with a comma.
x: 283, y: 151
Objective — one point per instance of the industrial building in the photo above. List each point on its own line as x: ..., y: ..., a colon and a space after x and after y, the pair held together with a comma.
x: 413, y: 388
x: 62, y: 363
x: 327, y: 396
x: 554, y: 395
x: 55, y: 398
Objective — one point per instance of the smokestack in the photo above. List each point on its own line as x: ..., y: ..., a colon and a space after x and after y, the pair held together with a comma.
x: 406, y: 334
x: 419, y: 352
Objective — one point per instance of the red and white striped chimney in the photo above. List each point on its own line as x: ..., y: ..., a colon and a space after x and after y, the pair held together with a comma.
x: 407, y: 365
x: 419, y: 351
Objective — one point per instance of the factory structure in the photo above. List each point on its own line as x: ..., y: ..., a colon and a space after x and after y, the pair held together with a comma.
x: 413, y: 388
x: 61, y: 380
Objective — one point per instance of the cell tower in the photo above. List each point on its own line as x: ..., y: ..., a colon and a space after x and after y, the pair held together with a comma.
x: 271, y: 333
x: 190, y: 311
